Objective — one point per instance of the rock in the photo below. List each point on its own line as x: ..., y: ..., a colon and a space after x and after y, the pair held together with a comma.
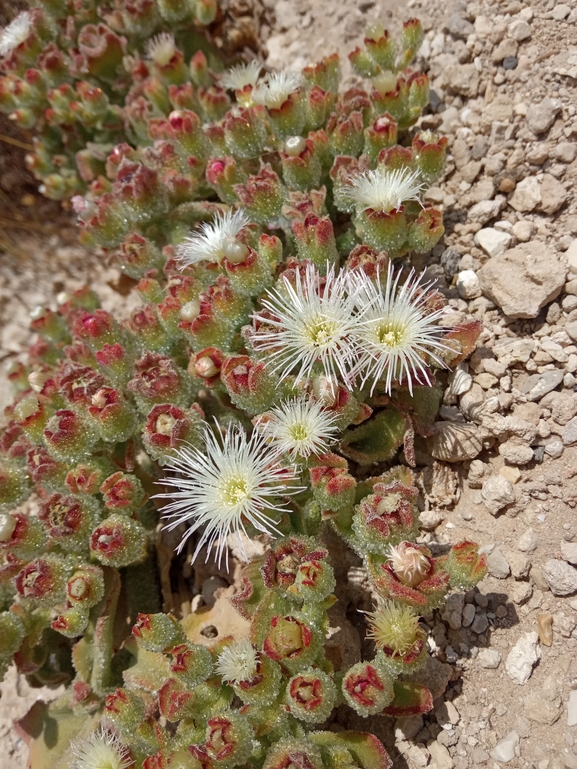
x: 522, y: 657
x: 523, y: 280
x: 447, y: 714
x: 541, y: 710
x: 538, y: 385
x: 565, y: 152
x: 493, y: 242
x: 453, y: 442
x: 471, y: 403
x: 498, y: 567
x: 519, y: 563
x: 497, y: 492
x: 489, y: 658
x: 485, y: 210
x: 504, y: 750
x: 440, y: 755
x: 545, y: 628
x: 459, y: 27
x: 560, y: 12
x: 516, y: 452
x: 519, y: 30
x: 571, y: 256
x: 430, y: 519
x: 560, y: 576
x: 480, y: 623
x: 527, y: 195
x: 528, y: 541
x: 521, y: 592
x: 523, y: 231
x: 553, y: 194
x: 571, y: 327
x: 435, y: 675
x: 572, y: 708
x: 468, y: 614
x: 468, y: 284
x: 569, y: 552
x: 554, y: 449
x: 506, y: 48
x: 540, y: 117
x: 408, y: 728
x: 569, y: 434
x: 463, y: 79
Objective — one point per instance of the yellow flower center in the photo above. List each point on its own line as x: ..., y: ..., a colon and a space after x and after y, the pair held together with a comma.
x: 321, y: 331
x: 235, y: 491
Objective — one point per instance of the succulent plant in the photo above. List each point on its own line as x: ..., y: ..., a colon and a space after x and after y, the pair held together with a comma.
x: 278, y: 358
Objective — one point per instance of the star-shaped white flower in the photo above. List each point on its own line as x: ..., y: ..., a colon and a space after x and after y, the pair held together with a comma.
x: 15, y: 33
x: 300, y: 427
x: 232, y: 481
x: 308, y: 326
x: 214, y: 241
x: 398, y: 334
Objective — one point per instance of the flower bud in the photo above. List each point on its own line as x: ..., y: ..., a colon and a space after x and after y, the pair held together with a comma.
x: 290, y: 752
x: 315, y: 241
x: 384, y: 231
x: 139, y: 256
x: 44, y: 470
x: 44, y: 580
x: 426, y: 231
x: 14, y: 486
x: 311, y: 696
x: 465, y: 566
x: 229, y: 737
x: 167, y: 427
x: 367, y: 688
x: 123, y: 492
x: 245, y: 132
x: 222, y: 174
x: 12, y: 633
x: 318, y: 105
x: 412, y: 38
x: 96, y: 328
x: 72, y: 622
x: 191, y: 663
x: 207, y: 364
x: 111, y: 415
x: 158, y: 632
x: 176, y: 701
x: 23, y: 536
x: 262, y: 195
x: 332, y: 485
x: 86, y: 587
x: 205, y: 11
x: 31, y: 415
x: 363, y: 63
x: 300, y: 163
x: 67, y: 436
x: 298, y: 567
x: 388, y: 515
x: 124, y: 710
x: 292, y: 642
x: 429, y: 151
x: 118, y: 541
x: 115, y: 363
x: 158, y: 380
x: 68, y: 520
x: 249, y: 384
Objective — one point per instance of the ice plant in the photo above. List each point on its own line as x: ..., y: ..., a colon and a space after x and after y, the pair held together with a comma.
x: 265, y: 387
x: 15, y: 33
x: 276, y: 88
x: 102, y: 750
x: 384, y: 189
x: 233, y: 482
x: 306, y: 326
x: 299, y: 427
x: 399, y: 333
x: 238, y: 662
x: 216, y: 240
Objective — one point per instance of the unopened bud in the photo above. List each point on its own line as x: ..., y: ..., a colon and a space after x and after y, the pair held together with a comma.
x: 205, y: 367
x: 294, y: 145
x: 7, y: 526
x: 37, y: 380
x: 190, y: 311
x: 235, y: 252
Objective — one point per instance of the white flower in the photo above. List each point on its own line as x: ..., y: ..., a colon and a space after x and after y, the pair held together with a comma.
x: 300, y: 427
x: 383, y: 189
x: 397, y: 334
x: 238, y: 662
x: 233, y: 480
x: 276, y: 88
x: 15, y: 33
x: 409, y: 563
x: 102, y: 750
x: 161, y: 48
x: 311, y: 325
x: 242, y: 75
x: 214, y: 240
